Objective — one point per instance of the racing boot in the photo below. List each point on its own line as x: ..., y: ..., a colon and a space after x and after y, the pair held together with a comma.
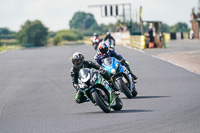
x: 134, y: 76
x: 126, y: 64
x: 80, y: 98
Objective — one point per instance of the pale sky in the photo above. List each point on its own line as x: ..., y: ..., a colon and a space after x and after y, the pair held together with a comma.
x: 56, y: 14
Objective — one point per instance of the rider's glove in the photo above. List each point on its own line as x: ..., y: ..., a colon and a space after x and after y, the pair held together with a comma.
x: 76, y: 86
x: 83, y: 85
x: 102, y: 71
x: 123, y: 61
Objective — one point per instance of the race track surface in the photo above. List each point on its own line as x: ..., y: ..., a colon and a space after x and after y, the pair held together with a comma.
x: 36, y: 95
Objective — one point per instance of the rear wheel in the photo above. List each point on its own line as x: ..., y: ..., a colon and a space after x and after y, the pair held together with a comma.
x: 96, y: 45
x: 101, y: 102
x: 124, y: 88
x: 118, y: 105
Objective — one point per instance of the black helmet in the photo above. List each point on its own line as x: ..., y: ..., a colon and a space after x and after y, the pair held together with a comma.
x: 103, y: 47
x: 77, y: 59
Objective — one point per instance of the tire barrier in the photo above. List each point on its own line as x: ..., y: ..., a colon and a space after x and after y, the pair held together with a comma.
x: 141, y: 41
x: 172, y: 36
x: 167, y: 37
x: 179, y: 35
x: 138, y: 42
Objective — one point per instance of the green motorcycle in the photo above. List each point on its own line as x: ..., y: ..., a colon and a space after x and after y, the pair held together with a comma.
x: 98, y: 91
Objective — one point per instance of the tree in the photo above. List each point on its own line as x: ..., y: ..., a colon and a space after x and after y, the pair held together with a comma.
x: 86, y: 24
x: 179, y: 27
x: 4, y: 31
x: 69, y: 35
x: 82, y: 21
x: 165, y: 27
x: 33, y: 33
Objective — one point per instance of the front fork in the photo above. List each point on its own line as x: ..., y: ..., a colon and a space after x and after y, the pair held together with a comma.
x: 131, y: 83
x: 111, y: 98
x: 127, y: 80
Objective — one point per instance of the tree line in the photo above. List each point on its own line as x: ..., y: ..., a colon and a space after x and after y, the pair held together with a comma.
x: 35, y: 33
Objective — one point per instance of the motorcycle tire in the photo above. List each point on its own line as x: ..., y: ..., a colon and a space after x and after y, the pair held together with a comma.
x: 100, y: 102
x: 96, y: 46
x: 134, y: 93
x: 118, y: 105
x: 124, y: 88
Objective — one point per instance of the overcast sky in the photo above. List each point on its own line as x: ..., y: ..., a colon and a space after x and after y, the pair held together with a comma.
x: 56, y: 14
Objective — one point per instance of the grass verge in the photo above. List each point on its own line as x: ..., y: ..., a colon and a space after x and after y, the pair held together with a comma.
x: 12, y: 47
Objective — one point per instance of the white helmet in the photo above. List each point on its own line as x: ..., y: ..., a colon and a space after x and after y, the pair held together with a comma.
x: 108, y: 33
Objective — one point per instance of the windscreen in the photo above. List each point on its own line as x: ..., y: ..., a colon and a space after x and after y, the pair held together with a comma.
x: 84, y: 74
x: 108, y: 61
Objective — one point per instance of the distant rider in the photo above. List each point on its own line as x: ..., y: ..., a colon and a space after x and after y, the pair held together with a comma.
x: 109, y: 38
x: 105, y: 52
x: 79, y: 62
x: 93, y: 38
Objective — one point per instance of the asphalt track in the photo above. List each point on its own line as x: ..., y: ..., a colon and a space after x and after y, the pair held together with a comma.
x: 36, y: 95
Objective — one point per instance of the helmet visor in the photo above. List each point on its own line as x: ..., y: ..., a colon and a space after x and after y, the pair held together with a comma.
x: 77, y: 62
x: 104, y: 50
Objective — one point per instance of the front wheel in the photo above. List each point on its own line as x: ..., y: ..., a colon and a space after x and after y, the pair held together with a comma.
x: 118, y: 105
x: 134, y: 93
x: 124, y: 88
x: 101, y: 102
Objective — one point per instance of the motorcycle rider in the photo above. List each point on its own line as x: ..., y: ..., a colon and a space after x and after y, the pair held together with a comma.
x: 104, y: 52
x: 94, y: 37
x: 95, y: 40
x: 79, y: 62
x: 109, y: 38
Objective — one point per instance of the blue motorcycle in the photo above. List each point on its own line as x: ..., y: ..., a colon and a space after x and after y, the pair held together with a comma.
x: 121, y: 76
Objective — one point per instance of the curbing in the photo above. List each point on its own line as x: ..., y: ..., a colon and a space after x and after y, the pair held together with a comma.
x: 3, y: 51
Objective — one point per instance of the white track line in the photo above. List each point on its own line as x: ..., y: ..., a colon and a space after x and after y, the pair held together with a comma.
x: 142, y: 51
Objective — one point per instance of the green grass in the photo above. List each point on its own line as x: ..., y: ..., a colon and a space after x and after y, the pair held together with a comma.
x: 12, y: 47
x: 9, y: 44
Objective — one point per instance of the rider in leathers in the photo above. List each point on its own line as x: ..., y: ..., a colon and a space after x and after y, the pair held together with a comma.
x: 109, y: 38
x: 78, y: 63
x: 95, y: 36
x: 104, y: 52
